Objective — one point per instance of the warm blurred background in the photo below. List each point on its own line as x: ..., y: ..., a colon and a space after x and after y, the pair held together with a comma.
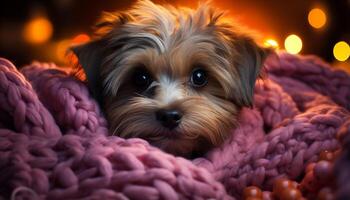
x: 43, y: 29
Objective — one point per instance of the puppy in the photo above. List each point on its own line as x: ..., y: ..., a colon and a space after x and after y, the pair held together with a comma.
x: 175, y: 77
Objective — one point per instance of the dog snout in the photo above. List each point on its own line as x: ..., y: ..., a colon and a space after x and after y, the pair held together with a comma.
x: 169, y: 118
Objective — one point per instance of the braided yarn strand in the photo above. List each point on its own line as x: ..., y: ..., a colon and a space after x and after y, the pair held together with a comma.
x: 54, y: 141
x: 79, y: 160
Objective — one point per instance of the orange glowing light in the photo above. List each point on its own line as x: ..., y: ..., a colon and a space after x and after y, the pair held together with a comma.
x: 61, y: 49
x: 271, y: 43
x: 317, y: 18
x: 341, y: 51
x: 38, y: 30
x: 81, y: 38
x: 63, y: 46
x: 293, y: 44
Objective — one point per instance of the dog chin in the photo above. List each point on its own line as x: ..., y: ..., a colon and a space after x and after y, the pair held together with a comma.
x: 176, y: 143
x: 177, y: 146
x: 171, y: 134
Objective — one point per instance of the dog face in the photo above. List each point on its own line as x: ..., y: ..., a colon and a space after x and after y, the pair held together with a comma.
x: 173, y: 76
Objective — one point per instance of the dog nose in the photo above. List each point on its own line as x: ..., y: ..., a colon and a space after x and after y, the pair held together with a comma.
x: 169, y: 118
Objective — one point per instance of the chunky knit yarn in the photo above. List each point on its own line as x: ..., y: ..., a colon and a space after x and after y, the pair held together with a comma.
x: 54, y: 142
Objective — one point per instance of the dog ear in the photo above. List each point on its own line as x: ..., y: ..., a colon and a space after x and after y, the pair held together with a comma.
x: 249, y: 66
x: 90, y: 58
x: 90, y: 55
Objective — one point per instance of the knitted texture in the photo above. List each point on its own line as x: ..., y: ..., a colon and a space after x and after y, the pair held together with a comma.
x: 342, y: 165
x: 54, y: 142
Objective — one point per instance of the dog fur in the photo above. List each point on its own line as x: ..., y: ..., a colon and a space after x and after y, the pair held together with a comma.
x: 168, y: 43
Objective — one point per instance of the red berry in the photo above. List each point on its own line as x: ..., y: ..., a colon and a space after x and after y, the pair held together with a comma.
x: 290, y: 194
x: 295, y: 184
x: 326, y: 155
x: 281, y: 184
x: 252, y: 191
x: 323, y: 171
x: 267, y: 195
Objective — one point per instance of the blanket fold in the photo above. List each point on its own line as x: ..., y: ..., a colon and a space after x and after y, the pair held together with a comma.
x: 54, y: 141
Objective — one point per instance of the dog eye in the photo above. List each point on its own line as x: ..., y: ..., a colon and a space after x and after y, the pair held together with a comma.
x: 142, y: 78
x: 199, y: 78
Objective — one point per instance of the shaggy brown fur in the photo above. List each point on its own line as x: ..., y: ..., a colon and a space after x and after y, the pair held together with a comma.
x: 164, y: 46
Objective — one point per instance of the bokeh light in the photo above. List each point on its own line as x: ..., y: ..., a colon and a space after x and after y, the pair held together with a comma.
x: 293, y: 44
x: 81, y: 38
x: 271, y: 43
x: 341, y: 51
x: 61, y: 49
x: 34, y: 30
x: 38, y: 30
x: 317, y: 18
x: 63, y: 46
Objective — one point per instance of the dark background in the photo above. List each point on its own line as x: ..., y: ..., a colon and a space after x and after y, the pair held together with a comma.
x: 272, y: 18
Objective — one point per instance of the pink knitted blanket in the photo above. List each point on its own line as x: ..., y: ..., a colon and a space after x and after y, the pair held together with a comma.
x: 54, y: 142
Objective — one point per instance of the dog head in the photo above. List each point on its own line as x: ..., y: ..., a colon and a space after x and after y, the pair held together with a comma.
x: 176, y: 77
